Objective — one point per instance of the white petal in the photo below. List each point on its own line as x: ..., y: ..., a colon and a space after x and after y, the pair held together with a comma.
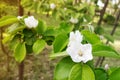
x: 78, y: 36
x: 31, y: 22
x: 100, y: 3
x: 87, y: 52
x: 72, y: 36
x: 73, y: 51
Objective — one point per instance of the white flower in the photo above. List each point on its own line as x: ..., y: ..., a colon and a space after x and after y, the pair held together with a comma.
x: 19, y: 17
x: 100, y: 4
x: 52, y: 6
x: 73, y: 20
x: 79, y: 52
x: 75, y: 37
x: 31, y: 22
x: 106, y: 67
x: 114, y: 2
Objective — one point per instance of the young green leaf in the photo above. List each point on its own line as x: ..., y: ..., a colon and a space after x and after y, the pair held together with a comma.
x: 101, y: 74
x: 15, y: 28
x: 63, y: 68
x: 66, y: 69
x: 20, y: 52
x: 81, y: 72
x: 115, y: 75
x: 60, y: 42
x: 41, y: 28
x: 7, y: 20
x: 91, y: 37
x: 38, y: 46
x: 109, y: 37
x: 65, y: 27
x: 104, y: 50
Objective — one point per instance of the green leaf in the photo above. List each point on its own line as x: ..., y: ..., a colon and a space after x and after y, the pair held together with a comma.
x: 66, y: 69
x: 38, y: 46
x: 7, y: 38
x: 65, y: 27
x: 59, y: 54
x: 7, y: 20
x: 41, y: 28
x: 20, y: 52
x: 50, y: 32
x: 91, y: 37
x: 60, y: 42
x: 76, y: 72
x: 109, y: 37
x: 63, y: 68
x: 15, y: 28
x: 104, y: 50
x: 115, y: 75
x: 81, y: 72
x: 101, y: 74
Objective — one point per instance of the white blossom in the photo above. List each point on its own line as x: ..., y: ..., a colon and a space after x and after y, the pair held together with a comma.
x: 19, y: 17
x: 106, y: 67
x: 100, y: 4
x: 79, y: 52
x: 73, y: 20
x: 114, y: 2
x: 52, y: 6
x: 31, y: 22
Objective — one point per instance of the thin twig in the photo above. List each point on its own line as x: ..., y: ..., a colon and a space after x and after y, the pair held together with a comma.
x: 112, y: 33
x: 102, y: 12
x: 21, y: 65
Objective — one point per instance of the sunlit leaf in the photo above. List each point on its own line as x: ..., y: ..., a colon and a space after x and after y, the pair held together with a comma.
x: 104, y: 50
x: 91, y: 37
x: 7, y: 20
x: 115, y: 75
x: 38, y: 46
x: 20, y: 52
x: 60, y: 42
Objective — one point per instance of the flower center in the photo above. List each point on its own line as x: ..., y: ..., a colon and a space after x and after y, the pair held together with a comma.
x: 80, y: 53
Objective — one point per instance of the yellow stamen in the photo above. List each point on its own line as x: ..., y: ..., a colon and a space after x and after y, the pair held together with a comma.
x: 80, y: 53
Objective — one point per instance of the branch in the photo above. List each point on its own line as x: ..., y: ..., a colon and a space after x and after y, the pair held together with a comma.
x: 112, y: 33
x: 102, y: 12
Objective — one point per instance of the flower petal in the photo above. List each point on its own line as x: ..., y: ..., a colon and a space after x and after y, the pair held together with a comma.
x: 78, y: 36
x: 87, y: 52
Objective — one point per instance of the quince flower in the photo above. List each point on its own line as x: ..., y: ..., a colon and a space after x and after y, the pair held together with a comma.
x: 79, y: 52
x: 100, y: 4
x: 52, y: 6
x: 31, y: 22
x: 73, y: 20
